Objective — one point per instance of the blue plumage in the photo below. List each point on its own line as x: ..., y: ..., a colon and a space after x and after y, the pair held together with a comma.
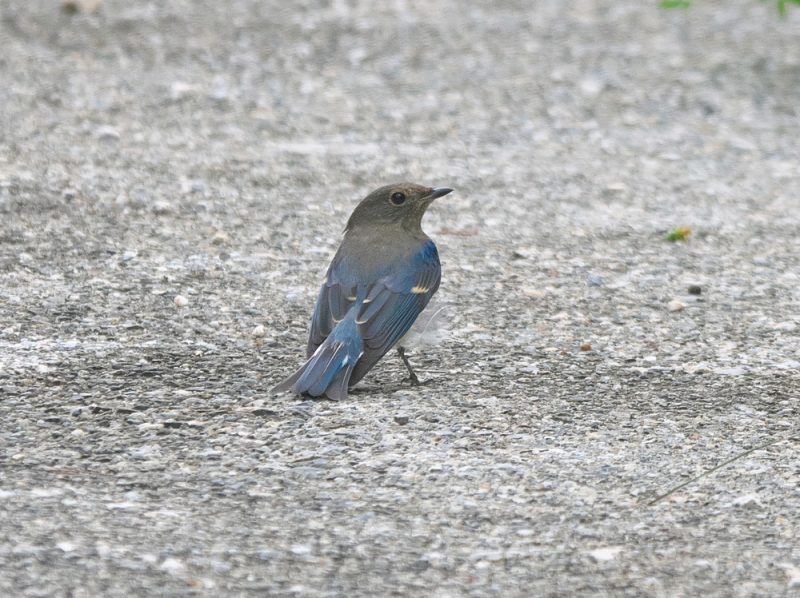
x: 383, y: 275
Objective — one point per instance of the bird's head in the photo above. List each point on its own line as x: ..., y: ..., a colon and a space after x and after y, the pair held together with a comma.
x: 401, y: 204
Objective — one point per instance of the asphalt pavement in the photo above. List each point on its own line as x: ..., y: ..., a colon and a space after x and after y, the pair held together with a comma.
x: 605, y: 412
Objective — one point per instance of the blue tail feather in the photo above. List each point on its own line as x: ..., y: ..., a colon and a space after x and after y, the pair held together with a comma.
x: 328, y: 370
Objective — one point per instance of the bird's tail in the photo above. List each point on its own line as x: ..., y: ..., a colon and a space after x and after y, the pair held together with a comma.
x: 329, y: 369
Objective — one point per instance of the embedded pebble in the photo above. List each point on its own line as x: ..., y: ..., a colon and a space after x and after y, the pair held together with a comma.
x: 107, y: 133
x: 676, y: 305
x: 534, y: 293
x: 746, y: 500
x: 220, y: 238
x: 616, y: 187
x: 173, y: 566
x: 73, y: 6
x: 594, y: 280
x: 606, y: 553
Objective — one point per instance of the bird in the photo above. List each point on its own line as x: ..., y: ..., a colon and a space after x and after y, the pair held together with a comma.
x: 382, y: 276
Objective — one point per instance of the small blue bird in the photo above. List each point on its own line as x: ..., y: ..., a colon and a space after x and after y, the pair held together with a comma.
x: 383, y: 275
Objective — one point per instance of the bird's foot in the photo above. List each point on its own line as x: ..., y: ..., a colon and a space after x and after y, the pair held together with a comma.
x: 412, y: 377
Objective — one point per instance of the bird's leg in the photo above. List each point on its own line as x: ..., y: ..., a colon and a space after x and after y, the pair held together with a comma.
x: 401, y: 351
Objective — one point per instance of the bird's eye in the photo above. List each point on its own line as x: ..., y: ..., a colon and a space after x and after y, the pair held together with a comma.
x: 398, y: 198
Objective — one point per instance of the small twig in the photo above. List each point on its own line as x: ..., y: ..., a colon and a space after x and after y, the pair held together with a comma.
x: 712, y: 470
x: 427, y: 371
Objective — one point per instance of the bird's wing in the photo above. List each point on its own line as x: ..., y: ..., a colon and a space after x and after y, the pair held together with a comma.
x: 392, y: 304
x: 333, y: 302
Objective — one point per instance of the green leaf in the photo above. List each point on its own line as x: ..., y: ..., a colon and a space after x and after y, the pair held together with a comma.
x: 678, y: 234
x: 675, y: 3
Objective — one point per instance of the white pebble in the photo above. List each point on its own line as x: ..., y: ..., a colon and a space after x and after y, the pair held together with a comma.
x: 675, y: 305
x: 180, y: 301
x: 606, y: 553
x: 616, y: 187
x: 533, y: 293
x: 301, y: 549
x: 173, y: 566
x: 746, y: 500
x: 107, y: 133
x: 591, y: 86
x: 66, y: 546
x: 180, y: 90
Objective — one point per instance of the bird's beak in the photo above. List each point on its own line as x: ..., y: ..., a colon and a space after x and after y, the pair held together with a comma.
x: 438, y: 192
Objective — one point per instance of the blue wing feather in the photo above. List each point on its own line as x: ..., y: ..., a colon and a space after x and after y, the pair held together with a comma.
x: 333, y: 303
x: 396, y: 302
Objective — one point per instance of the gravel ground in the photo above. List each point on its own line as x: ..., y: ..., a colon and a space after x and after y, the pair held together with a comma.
x: 214, y: 150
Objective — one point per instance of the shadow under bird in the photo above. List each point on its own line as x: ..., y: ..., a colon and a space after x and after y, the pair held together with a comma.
x: 383, y: 275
